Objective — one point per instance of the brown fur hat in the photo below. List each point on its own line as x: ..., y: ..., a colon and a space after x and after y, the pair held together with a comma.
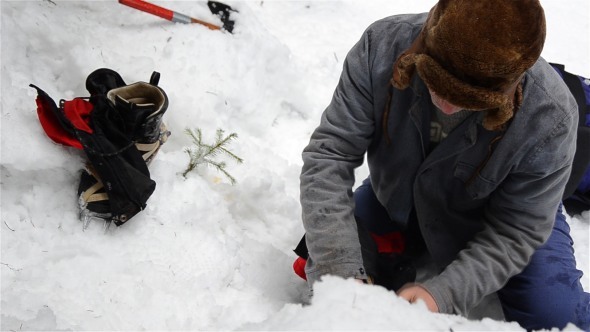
x: 473, y: 54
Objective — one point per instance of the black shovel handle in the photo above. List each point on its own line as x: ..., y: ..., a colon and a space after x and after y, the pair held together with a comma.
x: 223, y: 11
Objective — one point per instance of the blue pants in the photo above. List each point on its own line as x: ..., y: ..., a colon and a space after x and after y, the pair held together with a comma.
x: 546, y: 294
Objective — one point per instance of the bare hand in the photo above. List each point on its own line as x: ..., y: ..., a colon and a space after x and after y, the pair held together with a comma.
x: 414, y: 293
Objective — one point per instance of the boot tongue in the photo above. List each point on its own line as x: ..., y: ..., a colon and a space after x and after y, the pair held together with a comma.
x: 133, y: 104
x: 133, y: 114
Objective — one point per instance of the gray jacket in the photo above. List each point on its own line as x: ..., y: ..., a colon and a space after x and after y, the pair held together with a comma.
x: 482, y: 225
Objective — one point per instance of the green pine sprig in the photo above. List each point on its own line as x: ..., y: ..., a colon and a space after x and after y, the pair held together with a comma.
x: 202, y: 153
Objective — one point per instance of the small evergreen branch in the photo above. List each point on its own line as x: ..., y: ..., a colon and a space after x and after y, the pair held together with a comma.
x: 202, y: 153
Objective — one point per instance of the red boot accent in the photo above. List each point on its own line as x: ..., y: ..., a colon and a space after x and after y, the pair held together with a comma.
x: 389, y: 243
x: 299, y: 267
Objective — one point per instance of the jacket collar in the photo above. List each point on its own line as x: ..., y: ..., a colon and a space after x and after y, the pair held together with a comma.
x: 461, y: 138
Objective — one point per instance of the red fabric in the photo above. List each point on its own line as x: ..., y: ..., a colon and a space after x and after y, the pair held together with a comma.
x: 299, y: 267
x: 389, y: 243
x: 78, y: 113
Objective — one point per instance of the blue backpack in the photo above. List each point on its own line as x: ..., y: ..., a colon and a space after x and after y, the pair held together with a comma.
x: 576, y: 197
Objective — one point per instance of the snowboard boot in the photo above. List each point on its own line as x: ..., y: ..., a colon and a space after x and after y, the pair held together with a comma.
x: 141, y: 107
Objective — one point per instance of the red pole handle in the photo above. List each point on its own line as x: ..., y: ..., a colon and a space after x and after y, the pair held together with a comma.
x: 164, y: 13
x: 149, y: 8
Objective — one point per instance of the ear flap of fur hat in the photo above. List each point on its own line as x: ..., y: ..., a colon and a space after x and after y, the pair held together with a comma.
x: 473, y: 53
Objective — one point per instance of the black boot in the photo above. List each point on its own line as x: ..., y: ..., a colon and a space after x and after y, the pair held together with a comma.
x: 136, y: 110
x: 142, y: 106
x: 390, y: 270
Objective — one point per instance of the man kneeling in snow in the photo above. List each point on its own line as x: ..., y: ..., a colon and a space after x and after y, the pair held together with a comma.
x: 469, y: 142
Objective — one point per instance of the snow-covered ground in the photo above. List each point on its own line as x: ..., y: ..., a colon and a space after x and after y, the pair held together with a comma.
x: 204, y: 255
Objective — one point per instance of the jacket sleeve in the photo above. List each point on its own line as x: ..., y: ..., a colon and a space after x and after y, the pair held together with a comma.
x: 335, y: 149
x: 518, y: 219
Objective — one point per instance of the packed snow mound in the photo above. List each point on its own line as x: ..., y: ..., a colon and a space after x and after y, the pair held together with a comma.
x: 339, y: 304
x: 203, y: 255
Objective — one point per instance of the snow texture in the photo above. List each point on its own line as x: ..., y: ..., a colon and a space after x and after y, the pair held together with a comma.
x: 204, y: 255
